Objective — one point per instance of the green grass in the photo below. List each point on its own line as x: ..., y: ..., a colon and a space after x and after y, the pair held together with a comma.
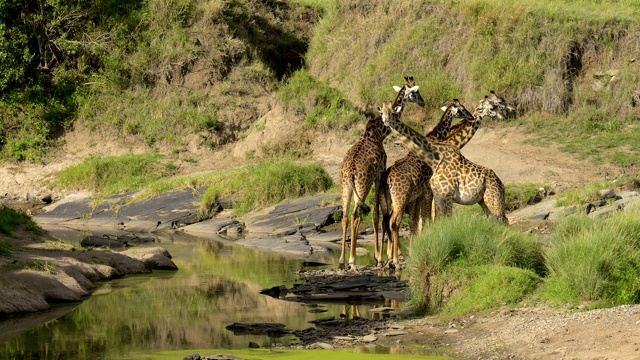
x: 595, y: 260
x: 486, y: 287
x: 590, y: 192
x: 325, y: 107
x: 11, y: 219
x: 5, y: 248
x: 37, y: 265
x: 469, y: 264
x: 259, y: 186
x: 466, y: 241
x: 266, y: 354
x: 112, y: 175
x: 518, y: 195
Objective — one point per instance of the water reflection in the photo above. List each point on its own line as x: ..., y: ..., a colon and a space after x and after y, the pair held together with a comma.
x: 217, y: 284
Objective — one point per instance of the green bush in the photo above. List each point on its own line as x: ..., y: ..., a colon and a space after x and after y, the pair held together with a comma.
x: 595, y: 260
x: 487, y: 287
x: 325, y: 107
x: 266, y: 184
x: 519, y: 195
x: 114, y: 174
x: 10, y: 219
x: 5, y: 247
x: 466, y: 240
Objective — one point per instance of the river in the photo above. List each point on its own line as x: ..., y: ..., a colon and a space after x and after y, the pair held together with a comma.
x: 216, y: 285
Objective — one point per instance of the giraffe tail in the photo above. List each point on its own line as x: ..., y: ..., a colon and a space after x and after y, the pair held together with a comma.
x: 364, y: 207
x: 386, y: 224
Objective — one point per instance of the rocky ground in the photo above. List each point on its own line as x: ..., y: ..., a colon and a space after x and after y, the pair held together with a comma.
x: 527, y: 333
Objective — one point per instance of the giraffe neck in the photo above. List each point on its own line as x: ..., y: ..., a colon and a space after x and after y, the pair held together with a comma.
x: 460, y: 134
x: 423, y: 148
x: 400, y: 98
x: 440, y: 131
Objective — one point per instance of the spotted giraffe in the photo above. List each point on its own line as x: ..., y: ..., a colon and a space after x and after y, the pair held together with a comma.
x: 455, y: 178
x: 362, y: 168
x: 406, y: 184
x: 505, y: 110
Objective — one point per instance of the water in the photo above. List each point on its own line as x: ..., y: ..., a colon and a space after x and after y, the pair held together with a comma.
x: 216, y: 285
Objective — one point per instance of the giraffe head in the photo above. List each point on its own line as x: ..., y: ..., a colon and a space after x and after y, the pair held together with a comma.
x: 409, y: 92
x: 389, y: 113
x: 457, y: 110
x: 503, y: 107
x: 485, y: 108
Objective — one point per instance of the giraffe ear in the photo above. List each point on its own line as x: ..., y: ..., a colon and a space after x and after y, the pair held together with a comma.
x: 396, y: 88
x: 379, y: 109
x: 397, y: 109
x: 414, y: 88
x: 444, y: 108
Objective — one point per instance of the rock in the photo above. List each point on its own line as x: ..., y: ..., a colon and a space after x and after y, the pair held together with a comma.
x: 308, y: 212
x: 325, y: 346
x: 193, y: 357
x: 607, y: 194
x: 275, y: 292
x: 214, y: 228
x: 270, y: 329
x: 369, y: 338
x: 395, y: 333
x: 101, y: 241
x: 17, y: 297
x: 155, y: 258
x: 253, y: 345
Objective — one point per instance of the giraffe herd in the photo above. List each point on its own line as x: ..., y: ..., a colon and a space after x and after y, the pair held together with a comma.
x: 426, y: 182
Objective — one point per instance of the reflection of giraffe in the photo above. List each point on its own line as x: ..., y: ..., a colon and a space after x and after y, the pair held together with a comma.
x: 455, y: 178
x: 363, y: 166
x: 406, y: 184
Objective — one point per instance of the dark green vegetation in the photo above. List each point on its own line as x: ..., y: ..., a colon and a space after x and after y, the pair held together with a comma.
x: 159, y: 70
x: 469, y: 263
x: 164, y: 71
x: 11, y: 219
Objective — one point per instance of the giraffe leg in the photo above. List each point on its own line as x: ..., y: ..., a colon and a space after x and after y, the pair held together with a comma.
x: 346, y: 202
x: 377, y: 253
x: 444, y: 205
x: 396, y: 220
x: 493, y: 204
x: 355, y: 223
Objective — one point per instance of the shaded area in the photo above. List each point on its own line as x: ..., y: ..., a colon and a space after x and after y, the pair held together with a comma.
x: 281, y: 49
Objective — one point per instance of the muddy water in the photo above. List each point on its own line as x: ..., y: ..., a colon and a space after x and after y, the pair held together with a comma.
x: 216, y: 285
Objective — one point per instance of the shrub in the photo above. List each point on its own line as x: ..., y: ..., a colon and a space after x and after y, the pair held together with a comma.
x: 466, y: 240
x: 595, y: 260
x: 266, y: 184
x: 114, y: 174
x: 522, y: 194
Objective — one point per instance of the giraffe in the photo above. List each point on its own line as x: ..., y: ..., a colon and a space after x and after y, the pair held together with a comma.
x: 363, y: 166
x: 455, y: 178
x: 406, y: 184
x: 460, y: 133
x: 505, y: 110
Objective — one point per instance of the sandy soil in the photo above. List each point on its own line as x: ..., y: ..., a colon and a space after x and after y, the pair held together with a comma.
x: 531, y: 333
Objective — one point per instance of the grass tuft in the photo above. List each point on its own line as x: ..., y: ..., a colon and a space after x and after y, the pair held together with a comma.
x: 466, y: 240
x: 11, y: 219
x: 112, y: 175
x: 265, y: 184
x: 595, y: 260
